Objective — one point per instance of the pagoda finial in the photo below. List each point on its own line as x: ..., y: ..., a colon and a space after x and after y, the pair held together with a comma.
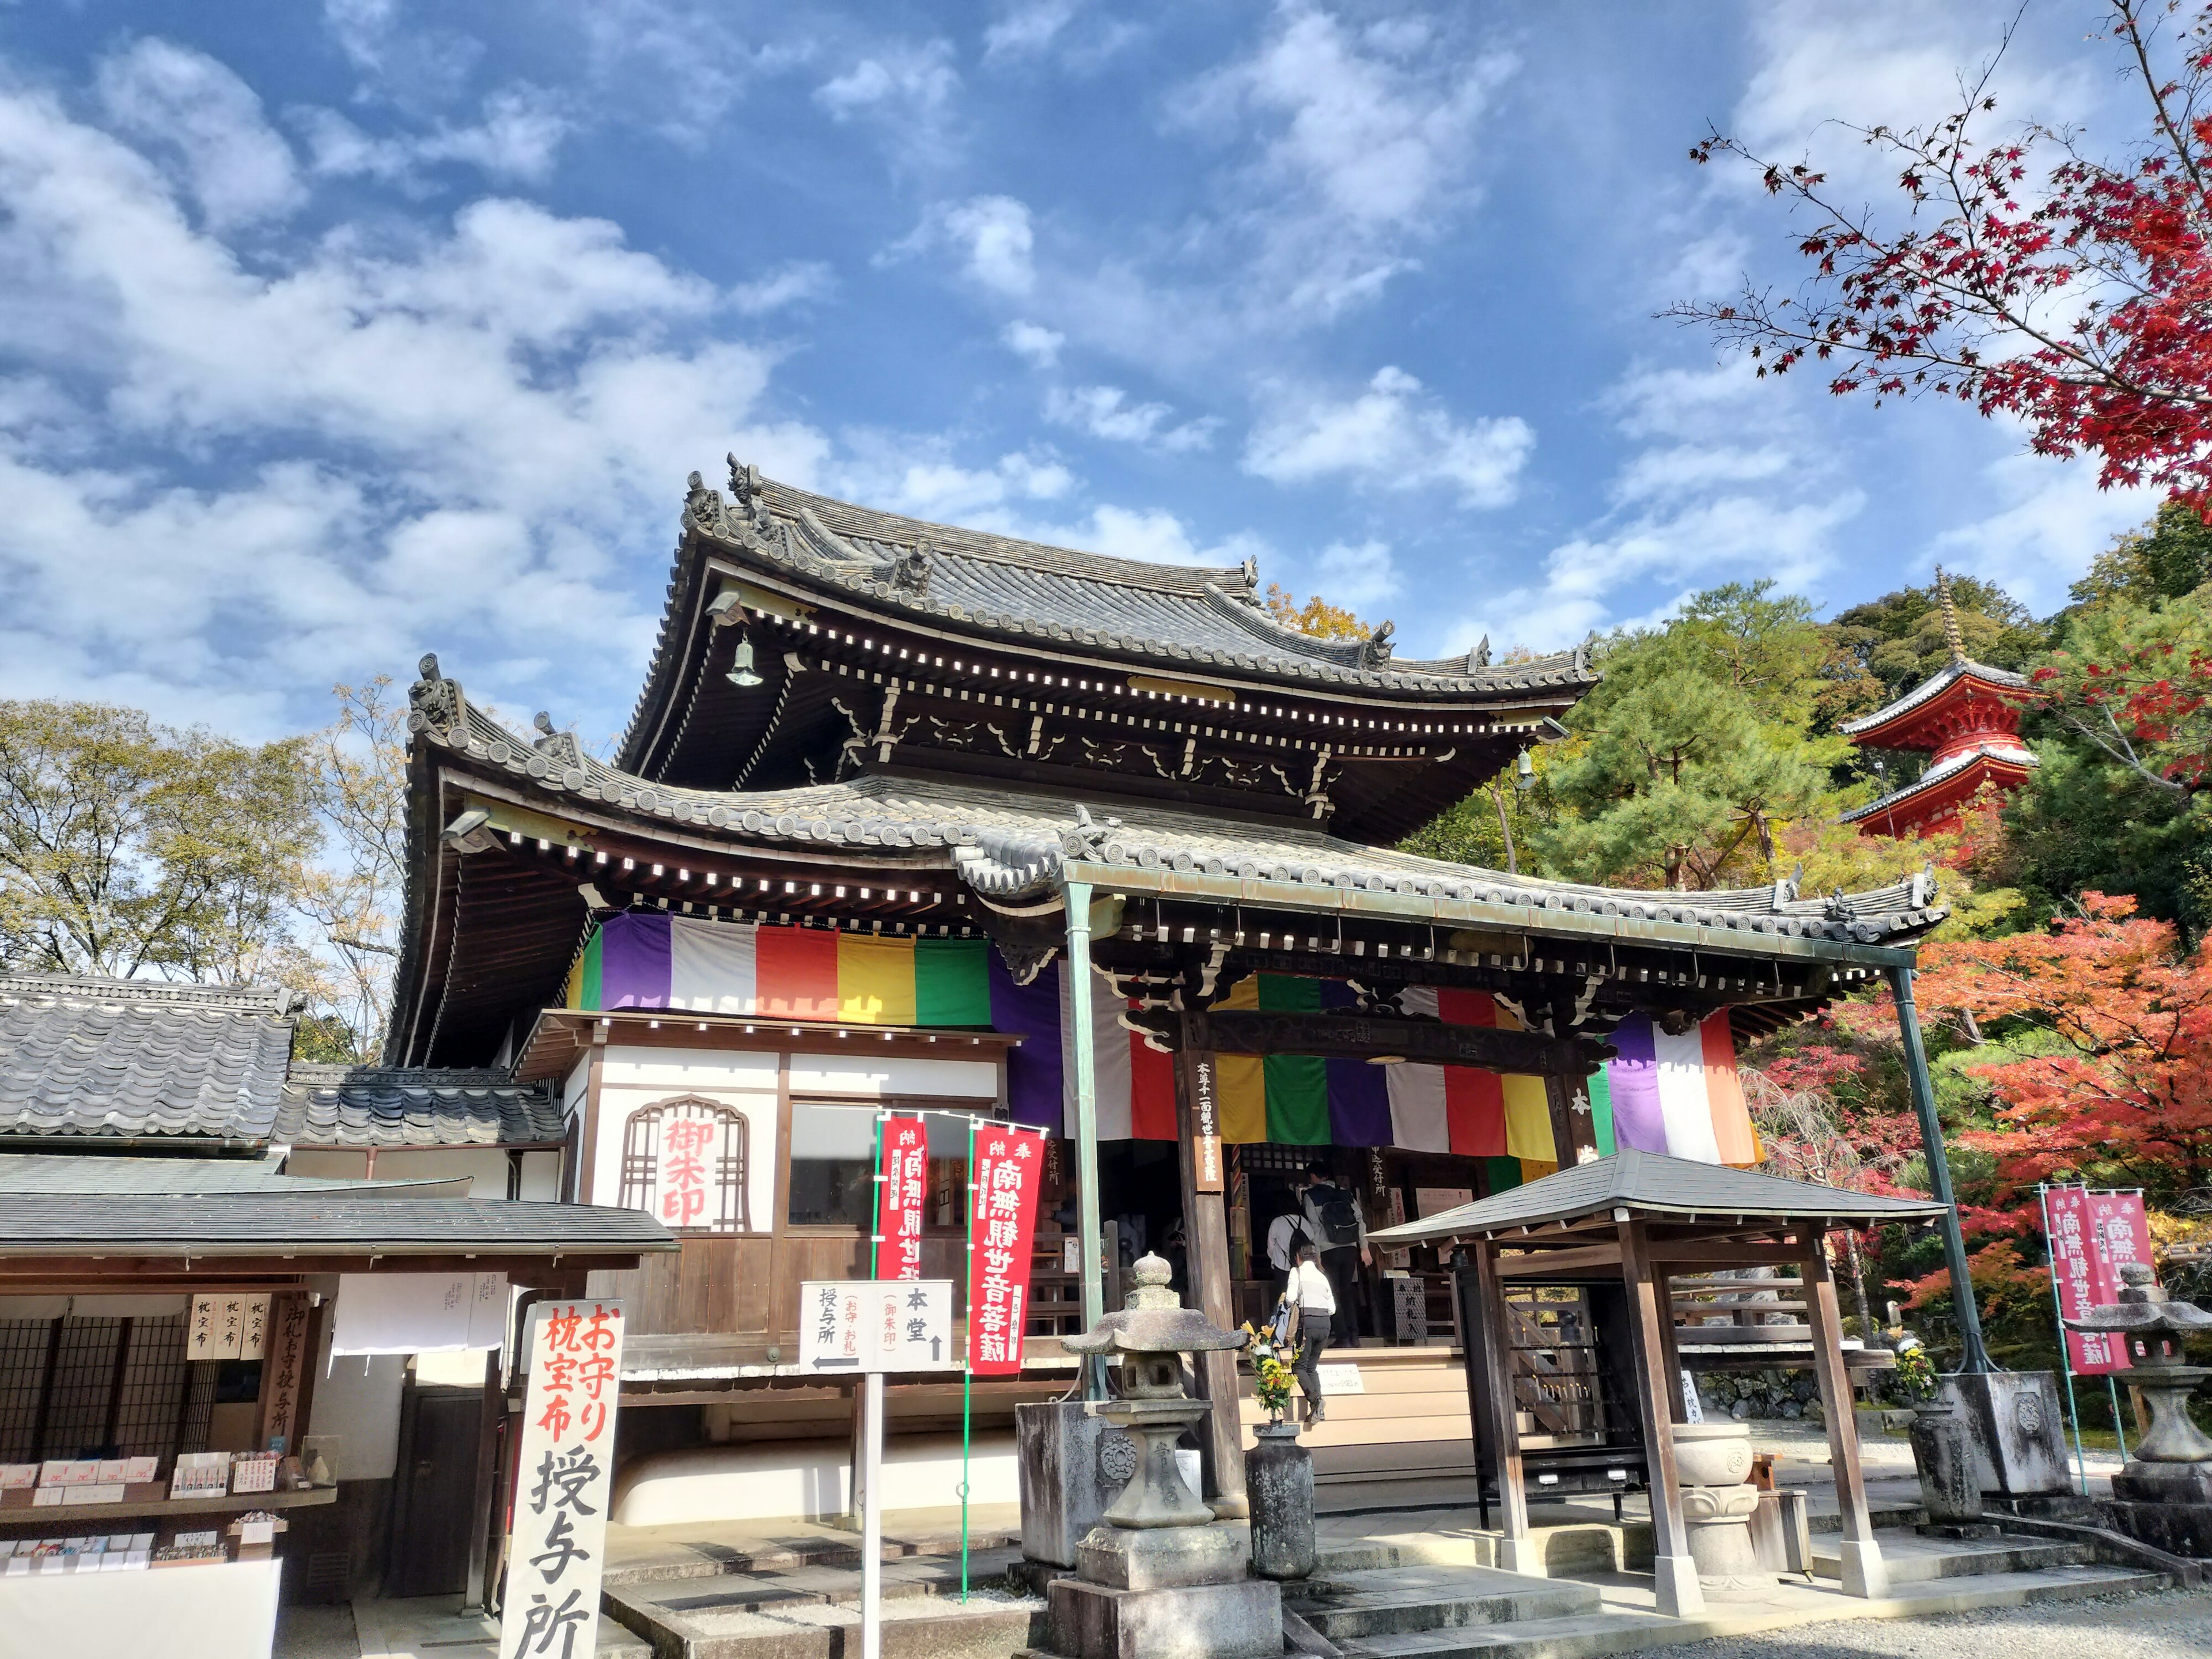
x: 1950, y: 635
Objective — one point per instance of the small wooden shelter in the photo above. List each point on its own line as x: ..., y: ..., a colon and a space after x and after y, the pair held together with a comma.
x: 1641, y: 1219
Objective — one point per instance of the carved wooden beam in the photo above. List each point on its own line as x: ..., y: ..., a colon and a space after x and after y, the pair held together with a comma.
x: 1360, y: 1036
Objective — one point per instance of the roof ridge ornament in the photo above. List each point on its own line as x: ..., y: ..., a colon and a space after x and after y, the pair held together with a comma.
x: 1375, y: 650
x: 433, y: 700
x: 560, y: 748
x: 1480, y: 657
x: 1944, y: 602
x: 910, y: 568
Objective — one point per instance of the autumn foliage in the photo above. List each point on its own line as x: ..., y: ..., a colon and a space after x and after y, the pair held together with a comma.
x: 2022, y: 276
x: 2121, y: 1094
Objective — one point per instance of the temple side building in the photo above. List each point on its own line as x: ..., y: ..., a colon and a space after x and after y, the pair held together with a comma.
x: 1965, y: 718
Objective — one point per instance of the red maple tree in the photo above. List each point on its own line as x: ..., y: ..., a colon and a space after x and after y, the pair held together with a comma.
x: 2027, y: 277
x: 2121, y: 1091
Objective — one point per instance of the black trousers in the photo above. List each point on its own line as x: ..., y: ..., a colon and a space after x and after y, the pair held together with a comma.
x: 1342, y: 1267
x: 1311, y: 1336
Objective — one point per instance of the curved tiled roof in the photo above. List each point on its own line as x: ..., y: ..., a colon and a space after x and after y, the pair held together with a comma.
x: 108, y: 1057
x: 1926, y: 691
x: 349, y: 1224
x: 1014, y: 845
x: 1169, y: 617
x: 2014, y: 753
x: 386, y: 1106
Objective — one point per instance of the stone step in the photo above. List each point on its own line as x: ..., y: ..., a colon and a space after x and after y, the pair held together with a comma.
x: 1915, y: 1559
x: 1396, y: 1600
x: 917, y: 1624
x: 1628, y: 1630
x: 646, y: 1561
x: 1883, y: 1513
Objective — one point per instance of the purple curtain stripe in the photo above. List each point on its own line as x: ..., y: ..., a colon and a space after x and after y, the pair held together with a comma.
x: 1637, y: 1119
x: 633, y: 961
x: 1033, y: 1072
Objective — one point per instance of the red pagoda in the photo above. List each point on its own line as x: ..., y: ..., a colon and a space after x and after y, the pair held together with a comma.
x: 1966, y: 717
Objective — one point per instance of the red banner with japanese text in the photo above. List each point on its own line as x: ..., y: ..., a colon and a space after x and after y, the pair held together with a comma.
x: 1009, y: 1165
x: 899, y: 1210
x: 564, y: 1483
x: 2093, y: 1236
x: 2120, y: 1232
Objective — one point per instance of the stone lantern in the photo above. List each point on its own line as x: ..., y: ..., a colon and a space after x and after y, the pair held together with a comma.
x: 2163, y: 1495
x: 1160, y: 1578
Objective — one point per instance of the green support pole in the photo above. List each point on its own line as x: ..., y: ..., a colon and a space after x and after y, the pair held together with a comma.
x: 1974, y: 1357
x: 968, y: 1362
x: 1077, y: 895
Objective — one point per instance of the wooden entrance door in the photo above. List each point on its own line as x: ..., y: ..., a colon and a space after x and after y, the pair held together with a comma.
x: 434, y: 1500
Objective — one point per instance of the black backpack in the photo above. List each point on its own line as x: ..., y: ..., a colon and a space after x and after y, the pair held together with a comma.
x: 1340, y: 1219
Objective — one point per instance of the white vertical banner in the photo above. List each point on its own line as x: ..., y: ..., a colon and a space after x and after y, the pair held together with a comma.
x: 564, y: 1482
x: 253, y: 1335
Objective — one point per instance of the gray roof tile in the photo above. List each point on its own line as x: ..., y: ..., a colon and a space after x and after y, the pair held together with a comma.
x: 415, y: 1106
x: 349, y: 1224
x: 107, y: 1057
x: 1651, y: 1184
x: 78, y: 1172
x: 1013, y: 845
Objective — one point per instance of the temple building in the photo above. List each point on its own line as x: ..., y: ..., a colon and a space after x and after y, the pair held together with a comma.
x: 1965, y: 718
x: 916, y: 817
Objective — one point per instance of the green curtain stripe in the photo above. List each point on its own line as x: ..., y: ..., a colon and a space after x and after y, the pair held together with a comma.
x: 1600, y: 1100
x: 1504, y: 1174
x: 1298, y: 1084
x: 591, y: 991
x: 952, y: 982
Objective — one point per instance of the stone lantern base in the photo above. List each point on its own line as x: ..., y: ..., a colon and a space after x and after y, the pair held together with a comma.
x: 1239, y: 1620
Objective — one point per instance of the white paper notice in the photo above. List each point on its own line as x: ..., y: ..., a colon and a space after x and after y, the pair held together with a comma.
x: 853, y: 1325
x: 564, y: 1481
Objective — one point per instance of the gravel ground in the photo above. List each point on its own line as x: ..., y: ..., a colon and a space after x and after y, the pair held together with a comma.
x: 2171, y: 1625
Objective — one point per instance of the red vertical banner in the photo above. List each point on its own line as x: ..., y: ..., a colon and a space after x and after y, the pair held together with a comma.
x: 899, y: 1212
x: 2081, y: 1270
x: 1009, y: 1167
x: 2120, y: 1232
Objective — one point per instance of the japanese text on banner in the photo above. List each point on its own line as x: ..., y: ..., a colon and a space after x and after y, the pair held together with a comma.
x: 2082, y: 1267
x: 898, y: 1218
x: 1009, y: 1164
x: 564, y: 1482
x: 683, y: 1166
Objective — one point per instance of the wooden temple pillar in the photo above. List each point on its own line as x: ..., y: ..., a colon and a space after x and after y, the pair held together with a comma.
x: 1863, y: 1571
x: 1205, y: 1223
x: 1658, y: 1385
x: 1516, y: 1548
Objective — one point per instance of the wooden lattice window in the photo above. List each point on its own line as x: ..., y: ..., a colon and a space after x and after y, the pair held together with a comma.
x: 692, y: 1147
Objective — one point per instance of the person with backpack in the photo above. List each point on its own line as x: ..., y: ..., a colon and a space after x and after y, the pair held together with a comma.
x: 1309, y: 1302
x: 1339, y: 1233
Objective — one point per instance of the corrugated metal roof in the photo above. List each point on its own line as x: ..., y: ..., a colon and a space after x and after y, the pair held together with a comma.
x: 110, y: 1057
x: 385, y: 1106
x: 1649, y: 1184
x: 351, y: 1224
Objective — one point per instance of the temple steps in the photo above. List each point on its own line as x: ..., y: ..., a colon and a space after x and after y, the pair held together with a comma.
x: 1395, y: 1600
x: 812, y: 1612
x: 1917, y: 1560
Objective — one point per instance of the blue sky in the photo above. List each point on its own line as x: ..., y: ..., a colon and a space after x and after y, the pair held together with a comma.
x: 331, y: 335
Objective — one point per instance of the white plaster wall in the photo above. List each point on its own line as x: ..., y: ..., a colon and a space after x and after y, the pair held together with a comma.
x: 863, y: 1076
x: 635, y: 1077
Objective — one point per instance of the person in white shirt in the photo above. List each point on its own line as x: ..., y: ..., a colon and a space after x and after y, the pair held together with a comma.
x: 1284, y: 1234
x: 1313, y: 1305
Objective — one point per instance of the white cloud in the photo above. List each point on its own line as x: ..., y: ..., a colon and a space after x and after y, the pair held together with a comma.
x: 909, y: 92
x: 519, y: 137
x: 1039, y: 345
x: 1105, y: 411
x: 190, y: 107
x: 992, y: 234
x: 1367, y: 144
x: 2049, y: 522
x: 1029, y: 28
x: 1391, y: 436
x: 463, y: 434
x: 1359, y: 575
x: 789, y: 284
x: 1686, y: 469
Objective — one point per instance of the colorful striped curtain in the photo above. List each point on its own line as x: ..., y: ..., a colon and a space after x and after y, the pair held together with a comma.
x: 1679, y: 1095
